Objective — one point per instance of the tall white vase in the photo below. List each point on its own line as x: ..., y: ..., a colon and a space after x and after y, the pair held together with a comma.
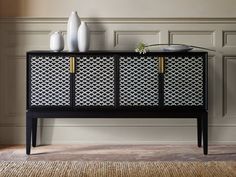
x: 83, y: 37
x: 72, y: 29
x: 57, y: 42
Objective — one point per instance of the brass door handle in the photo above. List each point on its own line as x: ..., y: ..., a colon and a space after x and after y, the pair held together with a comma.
x: 161, y: 64
x: 72, y: 64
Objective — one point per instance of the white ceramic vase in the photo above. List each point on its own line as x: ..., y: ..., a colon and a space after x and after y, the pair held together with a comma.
x: 72, y: 29
x: 57, y: 41
x: 83, y: 37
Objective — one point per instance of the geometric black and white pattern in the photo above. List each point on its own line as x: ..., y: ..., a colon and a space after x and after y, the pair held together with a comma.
x: 50, y: 81
x: 94, y: 81
x: 139, y: 81
x: 183, y: 81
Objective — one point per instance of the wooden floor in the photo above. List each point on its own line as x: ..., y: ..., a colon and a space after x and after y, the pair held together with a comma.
x: 118, y: 153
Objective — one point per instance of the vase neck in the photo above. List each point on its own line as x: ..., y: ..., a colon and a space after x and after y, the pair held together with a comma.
x: 74, y: 12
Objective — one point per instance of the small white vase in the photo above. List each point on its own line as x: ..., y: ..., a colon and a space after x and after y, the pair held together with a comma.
x: 72, y: 29
x: 57, y: 41
x: 83, y: 37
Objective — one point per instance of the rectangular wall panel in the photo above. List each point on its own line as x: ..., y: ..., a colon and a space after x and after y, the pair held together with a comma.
x: 229, y: 38
x: 211, y: 86
x: 15, y: 81
x: 97, y: 40
x: 229, y: 87
x: 21, y: 41
x: 198, y: 38
x: 128, y: 40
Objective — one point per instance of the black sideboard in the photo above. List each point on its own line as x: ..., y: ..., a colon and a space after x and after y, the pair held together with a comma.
x: 117, y: 85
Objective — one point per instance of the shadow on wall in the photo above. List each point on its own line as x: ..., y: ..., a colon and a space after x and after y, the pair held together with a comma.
x: 13, y: 47
x: 12, y: 72
x: 10, y: 8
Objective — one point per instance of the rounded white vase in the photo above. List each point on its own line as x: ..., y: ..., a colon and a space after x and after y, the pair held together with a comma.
x: 57, y: 41
x: 72, y: 29
x: 83, y: 37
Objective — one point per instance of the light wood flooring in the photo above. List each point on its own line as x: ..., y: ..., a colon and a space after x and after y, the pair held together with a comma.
x: 95, y: 152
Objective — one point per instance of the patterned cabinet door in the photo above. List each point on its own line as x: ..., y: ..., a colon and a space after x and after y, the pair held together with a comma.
x: 184, y: 81
x: 49, y: 81
x: 95, y: 81
x: 139, y: 81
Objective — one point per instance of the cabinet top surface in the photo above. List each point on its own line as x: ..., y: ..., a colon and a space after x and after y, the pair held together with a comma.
x: 112, y: 52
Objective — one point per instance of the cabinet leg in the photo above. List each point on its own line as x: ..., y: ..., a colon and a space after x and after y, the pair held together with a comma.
x: 199, y: 131
x: 28, y: 133
x: 34, y: 131
x: 205, y: 133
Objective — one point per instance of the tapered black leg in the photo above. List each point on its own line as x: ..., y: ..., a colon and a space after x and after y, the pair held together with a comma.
x: 199, y: 131
x: 28, y: 133
x: 205, y: 133
x: 34, y: 131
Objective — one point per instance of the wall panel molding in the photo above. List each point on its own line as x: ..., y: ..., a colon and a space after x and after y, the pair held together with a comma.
x: 97, y: 39
x: 15, y: 84
x: 206, y: 38
x: 63, y: 20
x: 229, y: 39
x: 229, y: 86
x: 126, y: 39
x: 21, y: 34
x: 212, y: 84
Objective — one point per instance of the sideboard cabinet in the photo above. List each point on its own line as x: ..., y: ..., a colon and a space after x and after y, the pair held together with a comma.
x: 116, y: 85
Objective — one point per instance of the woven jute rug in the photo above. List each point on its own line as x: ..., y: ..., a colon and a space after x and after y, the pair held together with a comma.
x: 117, y: 169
